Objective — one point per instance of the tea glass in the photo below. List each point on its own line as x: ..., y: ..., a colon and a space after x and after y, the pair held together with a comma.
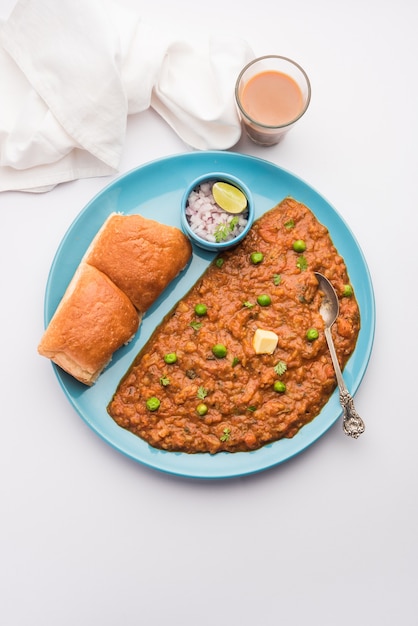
x: 293, y: 82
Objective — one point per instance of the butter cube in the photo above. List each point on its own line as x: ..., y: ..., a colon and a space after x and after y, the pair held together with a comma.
x: 265, y: 341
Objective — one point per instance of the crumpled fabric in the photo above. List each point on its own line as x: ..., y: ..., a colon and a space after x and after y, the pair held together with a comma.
x: 75, y: 69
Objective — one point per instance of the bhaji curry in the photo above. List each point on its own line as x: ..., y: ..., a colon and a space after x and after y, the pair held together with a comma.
x: 205, y: 383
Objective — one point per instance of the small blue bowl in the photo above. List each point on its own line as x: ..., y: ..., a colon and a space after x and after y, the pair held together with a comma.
x: 216, y: 177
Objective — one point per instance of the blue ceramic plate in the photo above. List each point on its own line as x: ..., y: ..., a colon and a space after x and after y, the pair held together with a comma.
x: 155, y: 190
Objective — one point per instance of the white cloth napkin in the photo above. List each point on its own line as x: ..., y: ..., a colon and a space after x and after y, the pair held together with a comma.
x: 73, y: 70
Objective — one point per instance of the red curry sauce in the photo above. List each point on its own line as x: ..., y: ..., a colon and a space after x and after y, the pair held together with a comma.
x: 242, y: 410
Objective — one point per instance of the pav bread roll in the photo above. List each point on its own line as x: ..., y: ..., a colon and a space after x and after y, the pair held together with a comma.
x: 93, y: 320
x: 140, y: 255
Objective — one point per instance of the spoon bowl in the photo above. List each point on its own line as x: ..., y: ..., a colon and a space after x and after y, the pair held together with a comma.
x: 330, y: 307
x: 353, y: 425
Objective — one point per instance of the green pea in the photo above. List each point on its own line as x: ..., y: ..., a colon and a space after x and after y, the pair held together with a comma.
x: 299, y: 245
x: 312, y: 334
x: 170, y: 358
x: 202, y: 409
x: 279, y: 386
x: 347, y: 291
x: 264, y: 299
x: 201, y: 309
x: 153, y: 403
x: 256, y: 257
x: 219, y: 350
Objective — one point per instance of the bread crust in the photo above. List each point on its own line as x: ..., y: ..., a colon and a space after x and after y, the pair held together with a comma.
x: 140, y: 255
x: 93, y: 320
x: 127, y: 266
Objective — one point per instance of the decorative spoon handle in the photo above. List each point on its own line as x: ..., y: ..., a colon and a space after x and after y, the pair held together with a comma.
x: 353, y: 425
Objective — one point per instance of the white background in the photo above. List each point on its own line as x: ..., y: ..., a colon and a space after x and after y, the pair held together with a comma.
x: 89, y: 537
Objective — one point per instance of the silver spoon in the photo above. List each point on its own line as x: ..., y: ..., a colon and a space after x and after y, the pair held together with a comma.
x: 353, y: 425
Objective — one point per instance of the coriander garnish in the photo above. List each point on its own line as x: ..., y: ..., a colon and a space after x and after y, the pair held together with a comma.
x: 302, y: 263
x: 226, y: 434
x: 280, y: 368
x: 202, y: 393
x: 223, y: 230
x: 289, y: 224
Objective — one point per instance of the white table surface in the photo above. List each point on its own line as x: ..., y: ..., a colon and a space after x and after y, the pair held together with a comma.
x: 90, y: 537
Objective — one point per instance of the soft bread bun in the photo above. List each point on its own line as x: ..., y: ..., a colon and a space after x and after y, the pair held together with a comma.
x: 93, y: 319
x: 140, y: 255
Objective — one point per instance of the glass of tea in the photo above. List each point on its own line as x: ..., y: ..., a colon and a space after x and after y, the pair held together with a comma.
x: 272, y: 93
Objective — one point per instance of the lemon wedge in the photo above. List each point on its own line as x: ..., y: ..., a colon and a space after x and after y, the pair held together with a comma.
x: 229, y: 198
